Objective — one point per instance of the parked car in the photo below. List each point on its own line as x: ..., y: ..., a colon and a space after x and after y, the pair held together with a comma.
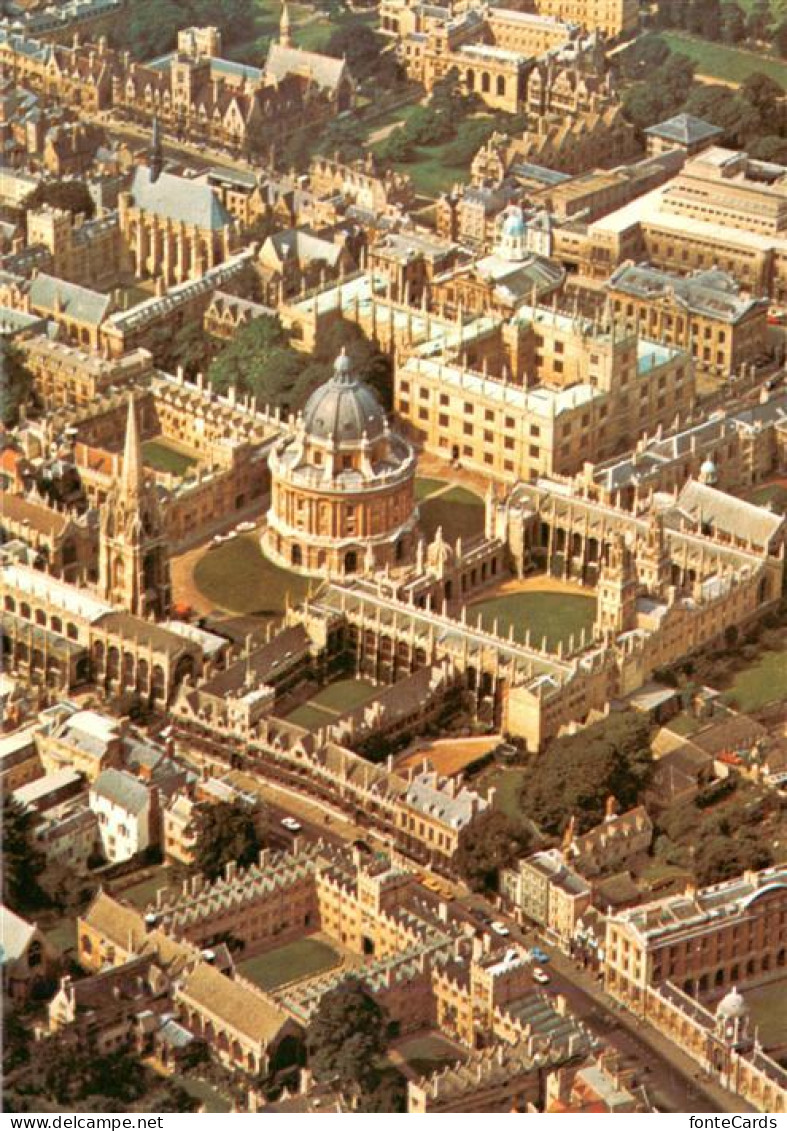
x: 291, y: 824
x: 245, y: 527
x: 539, y: 955
x: 499, y: 928
x: 540, y: 976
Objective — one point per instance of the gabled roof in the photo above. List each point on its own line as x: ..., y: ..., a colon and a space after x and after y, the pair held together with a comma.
x: 176, y: 198
x: 324, y: 70
x: 47, y: 292
x: 121, y: 789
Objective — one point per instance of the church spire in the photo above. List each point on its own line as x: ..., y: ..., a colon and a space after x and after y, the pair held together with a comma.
x: 285, y: 26
x: 155, y: 156
x: 132, y: 454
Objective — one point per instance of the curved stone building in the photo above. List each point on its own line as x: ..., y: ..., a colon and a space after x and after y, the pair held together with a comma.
x: 342, y: 498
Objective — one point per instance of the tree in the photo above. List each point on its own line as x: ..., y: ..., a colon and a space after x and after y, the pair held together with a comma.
x: 727, y: 109
x: 70, y: 196
x: 578, y: 773
x: 346, y: 1038
x: 259, y: 360
x: 759, y: 20
x: 780, y: 39
x: 733, y: 23
x: 186, y: 348
x: 769, y: 148
x: 22, y: 861
x: 763, y: 92
x: 225, y: 832
x: 16, y: 382
x: 491, y: 842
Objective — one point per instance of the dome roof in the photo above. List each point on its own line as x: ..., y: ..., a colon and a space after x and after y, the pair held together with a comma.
x: 514, y: 223
x: 344, y: 408
x: 732, y: 1006
x: 708, y: 469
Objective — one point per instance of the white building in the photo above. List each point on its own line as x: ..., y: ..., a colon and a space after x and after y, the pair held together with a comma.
x: 128, y: 814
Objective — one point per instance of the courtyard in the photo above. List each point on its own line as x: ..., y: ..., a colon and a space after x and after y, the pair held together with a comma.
x: 457, y: 510
x: 289, y: 963
x: 425, y: 1053
x: 551, y: 613
x: 164, y: 455
x: 331, y: 702
x: 238, y: 578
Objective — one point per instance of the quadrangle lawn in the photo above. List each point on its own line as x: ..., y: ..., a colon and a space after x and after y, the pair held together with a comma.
x: 332, y: 701
x: 552, y: 615
x: 163, y: 456
x: 237, y: 576
x: 301, y: 959
x: 458, y: 511
x: 728, y: 63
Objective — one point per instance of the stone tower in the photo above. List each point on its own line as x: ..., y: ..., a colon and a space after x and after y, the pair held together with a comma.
x: 617, y: 590
x: 133, y: 554
x: 285, y: 27
x: 654, y: 566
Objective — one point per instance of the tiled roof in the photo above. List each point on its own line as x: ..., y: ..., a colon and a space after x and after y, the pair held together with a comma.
x: 238, y: 1006
x: 15, y: 933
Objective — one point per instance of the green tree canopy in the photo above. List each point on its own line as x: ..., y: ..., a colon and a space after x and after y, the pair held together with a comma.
x: 16, y: 382
x: 491, y: 842
x: 579, y: 772
x: 70, y: 196
x: 225, y: 832
x: 346, y: 1039
x: 22, y: 861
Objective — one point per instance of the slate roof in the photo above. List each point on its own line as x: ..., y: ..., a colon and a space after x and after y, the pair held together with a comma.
x: 713, y: 292
x: 732, y: 516
x: 685, y: 129
x: 179, y: 199
x: 47, y: 292
x: 121, y: 789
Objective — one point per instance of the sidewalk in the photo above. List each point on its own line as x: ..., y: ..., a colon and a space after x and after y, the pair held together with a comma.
x: 643, y: 1032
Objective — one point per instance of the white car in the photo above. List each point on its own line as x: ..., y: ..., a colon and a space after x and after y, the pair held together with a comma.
x: 291, y: 824
x: 499, y: 928
x: 245, y: 527
x: 540, y: 976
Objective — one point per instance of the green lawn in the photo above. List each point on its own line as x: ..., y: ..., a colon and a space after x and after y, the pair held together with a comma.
x: 162, y: 456
x: 237, y: 576
x: 143, y: 893
x: 458, y: 511
x: 554, y: 615
x: 332, y: 701
x: 300, y: 959
x: 429, y: 172
x: 426, y: 487
x: 768, y: 1008
x: 763, y: 682
x: 729, y: 63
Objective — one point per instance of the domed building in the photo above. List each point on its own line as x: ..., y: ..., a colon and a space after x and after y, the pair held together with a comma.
x: 342, y: 494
